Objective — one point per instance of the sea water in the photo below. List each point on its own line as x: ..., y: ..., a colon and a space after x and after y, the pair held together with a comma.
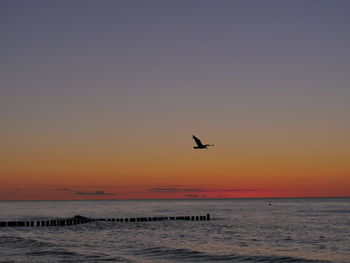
x: 241, y: 230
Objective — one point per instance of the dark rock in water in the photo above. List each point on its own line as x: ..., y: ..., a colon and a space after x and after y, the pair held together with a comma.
x: 79, y: 217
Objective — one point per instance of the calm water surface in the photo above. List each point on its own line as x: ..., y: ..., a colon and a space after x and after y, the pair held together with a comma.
x: 242, y: 230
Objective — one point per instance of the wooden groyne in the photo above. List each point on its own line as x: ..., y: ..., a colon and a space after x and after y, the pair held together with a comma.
x: 76, y: 220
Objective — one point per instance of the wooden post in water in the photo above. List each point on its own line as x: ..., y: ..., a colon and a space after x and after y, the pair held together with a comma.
x: 81, y: 220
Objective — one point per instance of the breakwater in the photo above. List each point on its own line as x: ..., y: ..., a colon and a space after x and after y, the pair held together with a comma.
x: 76, y: 220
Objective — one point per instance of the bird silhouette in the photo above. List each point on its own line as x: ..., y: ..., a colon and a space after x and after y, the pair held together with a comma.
x: 200, y: 145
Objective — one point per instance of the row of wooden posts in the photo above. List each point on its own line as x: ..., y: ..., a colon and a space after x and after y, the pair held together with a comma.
x: 76, y: 220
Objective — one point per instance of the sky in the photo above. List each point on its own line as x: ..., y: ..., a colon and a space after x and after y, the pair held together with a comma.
x: 100, y: 99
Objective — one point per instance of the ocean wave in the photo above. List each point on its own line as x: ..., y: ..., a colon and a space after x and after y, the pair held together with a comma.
x: 192, y: 255
x: 52, y: 252
x: 40, y: 251
x: 64, y: 254
x: 329, y: 211
x: 16, y: 241
x: 338, y: 211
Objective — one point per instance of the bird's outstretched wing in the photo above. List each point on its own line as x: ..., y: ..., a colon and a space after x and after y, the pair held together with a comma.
x: 198, y: 141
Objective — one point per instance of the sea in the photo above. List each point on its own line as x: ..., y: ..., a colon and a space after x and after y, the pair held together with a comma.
x: 241, y: 230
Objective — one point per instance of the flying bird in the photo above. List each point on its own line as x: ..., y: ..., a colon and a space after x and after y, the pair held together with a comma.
x: 200, y: 145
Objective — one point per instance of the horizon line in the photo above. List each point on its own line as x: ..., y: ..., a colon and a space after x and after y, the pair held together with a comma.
x: 217, y: 198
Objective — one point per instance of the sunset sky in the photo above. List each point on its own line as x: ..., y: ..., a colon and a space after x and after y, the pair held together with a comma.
x: 99, y: 99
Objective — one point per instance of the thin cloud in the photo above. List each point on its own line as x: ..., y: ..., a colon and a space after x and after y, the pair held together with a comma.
x: 238, y: 190
x: 63, y: 189
x: 93, y: 193
x: 199, y: 190
x: 196, y: 196
x: 168, y: 189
